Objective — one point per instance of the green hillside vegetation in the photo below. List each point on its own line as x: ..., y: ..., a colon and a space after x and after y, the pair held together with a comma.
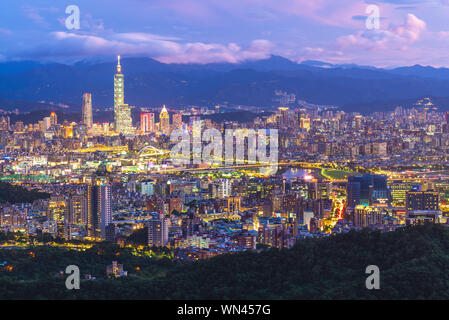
x: 413, y: 262
x: 16, y: 194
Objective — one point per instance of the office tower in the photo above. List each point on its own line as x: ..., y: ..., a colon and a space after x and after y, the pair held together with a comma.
x: 305, y: 123
x: 366, y: 188
x: 164, y: 121
x: 53, y: 119
x: 422, y: 200
x: 267, y: 208
x: 147, y: 123
x: 119, y: 87
x: 122, y: 111
x: 177, y: 121
x: 57, y: 211
x: 99, y: 210
x: 77, y: 210
x: 57, y: 208
x: 283, y: 117
x: 234, y: 204
x: 224, y: 188
x: 367, y: 216
x: 158, y: 231
x: 87, y: 110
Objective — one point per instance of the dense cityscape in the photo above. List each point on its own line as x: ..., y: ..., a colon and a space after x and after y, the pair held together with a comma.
x: 336, y: 171
x: 219, y: 158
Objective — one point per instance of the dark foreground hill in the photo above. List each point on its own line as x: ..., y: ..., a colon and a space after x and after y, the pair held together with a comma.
x: 413, y: 262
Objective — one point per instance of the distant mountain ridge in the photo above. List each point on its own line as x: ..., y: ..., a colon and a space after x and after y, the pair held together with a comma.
x: 149, y: 83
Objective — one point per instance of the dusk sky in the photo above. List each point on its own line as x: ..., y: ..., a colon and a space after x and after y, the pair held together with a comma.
x: 204, y: 31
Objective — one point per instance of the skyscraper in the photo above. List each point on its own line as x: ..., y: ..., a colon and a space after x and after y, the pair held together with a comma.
x: 53, y: 119
x: 122, y: 111
x: 158, y: 231
x: 177, y: 121
x: 99, y: 210
x: 365, y: 188
x: 164, y: 120
x: 147, y: 123
x: 119, y: 87
x: 422, y: 200
x: 87, y: 110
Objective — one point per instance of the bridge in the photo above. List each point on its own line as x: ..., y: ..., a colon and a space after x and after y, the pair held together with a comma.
x: 101, y: 147
x: 150, y: 151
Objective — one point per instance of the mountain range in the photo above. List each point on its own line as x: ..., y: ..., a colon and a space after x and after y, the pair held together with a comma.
x: 30, y: 85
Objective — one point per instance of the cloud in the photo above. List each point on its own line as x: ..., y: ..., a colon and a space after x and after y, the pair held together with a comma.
x: 210, y: 53
x: 401, y: 35
x: 35, y: 14
x: 162, y: 48
x: 143, y: 37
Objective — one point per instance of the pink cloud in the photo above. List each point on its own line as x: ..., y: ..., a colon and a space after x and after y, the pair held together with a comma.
x: 392, y: 37
x: 164, y: 49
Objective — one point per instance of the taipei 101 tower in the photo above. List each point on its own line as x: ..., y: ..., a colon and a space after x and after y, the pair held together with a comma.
x: 122, y: 112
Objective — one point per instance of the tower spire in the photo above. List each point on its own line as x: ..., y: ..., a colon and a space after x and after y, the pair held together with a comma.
x: 119, y: 67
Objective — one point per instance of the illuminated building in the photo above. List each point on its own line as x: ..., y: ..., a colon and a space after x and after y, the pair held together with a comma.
x: 365, y: 216
x: 283, y: 117
x: 147, y: 187
x: 99, y: 210
x: 177, y: 121
x: 53, y: 119
x: 305, y: 123
x: 87, y: 110
x: 146, y: 123
x: 365, y: 189
x: 234, y: 204
x: 164, y: 120
x: 57, y: 211
x: 224, y: 188
x: 422, y: 200
x: 77, y: 210
x: 158, y: 231
x: 56, y: 208
x: 116, y: 270
x: 122, y: 111
x: 398, y: 191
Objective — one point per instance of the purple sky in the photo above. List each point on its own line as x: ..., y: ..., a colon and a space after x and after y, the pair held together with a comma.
x: 203, y: 31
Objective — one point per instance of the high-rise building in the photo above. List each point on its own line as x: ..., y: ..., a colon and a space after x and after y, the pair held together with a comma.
x: 146, y: 123
x: 119, y: 86
x: 158, y: 231
x: 283, y: 117
x: 365, y: 188
x: 177, y: 121
x: 422, y: 200
x: 77, y: 210
x: 164, y: 121
x: 234, y: 204
x: 87, y: 110
x: 46, y: 123
x: 53, y: 119
x: 122, y: 111
x: 99, y: 214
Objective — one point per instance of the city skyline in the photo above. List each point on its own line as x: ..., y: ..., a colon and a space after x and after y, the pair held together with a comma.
x: 202, y: 150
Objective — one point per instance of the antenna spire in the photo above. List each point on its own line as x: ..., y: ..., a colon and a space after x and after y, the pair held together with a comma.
x: 119, y: 67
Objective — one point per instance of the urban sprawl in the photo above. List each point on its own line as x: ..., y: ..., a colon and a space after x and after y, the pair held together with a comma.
x: 335, y: 172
